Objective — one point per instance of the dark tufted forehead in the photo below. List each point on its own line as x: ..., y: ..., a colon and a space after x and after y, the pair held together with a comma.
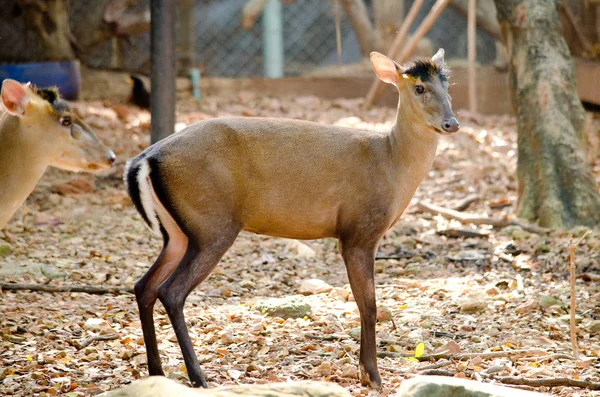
x: 426, y: 69
x: 52, y: 96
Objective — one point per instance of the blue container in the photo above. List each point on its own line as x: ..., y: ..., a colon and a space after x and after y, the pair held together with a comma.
x: 65, y: 75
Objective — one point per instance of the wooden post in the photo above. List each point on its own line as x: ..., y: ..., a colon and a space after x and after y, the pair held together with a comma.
x: 472, y: 54
x: 423, y: 28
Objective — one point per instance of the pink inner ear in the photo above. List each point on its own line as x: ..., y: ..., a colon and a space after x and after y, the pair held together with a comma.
x: 384, y: 68
x: 14, y: 97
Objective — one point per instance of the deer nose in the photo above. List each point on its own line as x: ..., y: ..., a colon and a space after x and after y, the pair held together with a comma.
x: 451, y: 125
x: 111, y: 158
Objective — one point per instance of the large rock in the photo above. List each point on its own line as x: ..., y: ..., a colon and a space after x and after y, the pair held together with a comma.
x: 442, y: 386
x: 159, y: 386
x: 288, y: 307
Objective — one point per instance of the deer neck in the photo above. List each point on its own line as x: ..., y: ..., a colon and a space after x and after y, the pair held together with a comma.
x: 22, y: 163
x: 413, y: 142
x: 413, y: 147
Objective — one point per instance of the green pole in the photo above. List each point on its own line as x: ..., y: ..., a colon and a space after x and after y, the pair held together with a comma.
x: 272, y: 39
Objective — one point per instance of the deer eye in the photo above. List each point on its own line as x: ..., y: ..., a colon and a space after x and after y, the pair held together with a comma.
x: 66, y: 121
x: 419, y: 89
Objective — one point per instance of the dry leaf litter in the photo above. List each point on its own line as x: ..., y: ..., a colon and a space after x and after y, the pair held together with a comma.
x: 278, y: 309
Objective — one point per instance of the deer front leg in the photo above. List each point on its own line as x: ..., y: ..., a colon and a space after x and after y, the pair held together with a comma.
x: 360, y: 262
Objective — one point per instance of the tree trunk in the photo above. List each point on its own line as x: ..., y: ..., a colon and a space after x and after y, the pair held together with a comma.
x: 388, y: 16
x: 556, y: 184
x: 49, y: 19
x: 357, y: 14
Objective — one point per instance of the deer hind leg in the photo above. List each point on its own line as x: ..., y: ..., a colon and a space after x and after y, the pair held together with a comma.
x: 159, y: 220
x: 360, y: 261
x: 201, y: 257
x: 146, y: 293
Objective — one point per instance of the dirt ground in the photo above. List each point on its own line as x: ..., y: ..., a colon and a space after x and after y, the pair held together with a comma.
x: 502, y: 294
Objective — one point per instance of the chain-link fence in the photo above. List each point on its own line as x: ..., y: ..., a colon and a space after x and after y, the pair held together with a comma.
x: 223, y: 48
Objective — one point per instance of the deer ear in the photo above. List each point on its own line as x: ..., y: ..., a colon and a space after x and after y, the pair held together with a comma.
x: 438, y: 58
x: 14, y: 97
x: 387, y: 70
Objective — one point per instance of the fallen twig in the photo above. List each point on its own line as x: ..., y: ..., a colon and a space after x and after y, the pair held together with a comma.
x: 462, y: 356
x: 469, y: 233
x: 520, y: 381
x: 440, y: 364
x: 573, y: 305
x: 548, y: 382
x: 336, y: 337
x: 422, y: 371
x: 83, y: 343
x: 466, y: 202
x: 438, y: 372
x: 88, y: 289
x: 558, y: 356
x: 478, y: 220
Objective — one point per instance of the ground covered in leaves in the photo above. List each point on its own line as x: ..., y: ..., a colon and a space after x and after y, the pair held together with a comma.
x: 499, y: 297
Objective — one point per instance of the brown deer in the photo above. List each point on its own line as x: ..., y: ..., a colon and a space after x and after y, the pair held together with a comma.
x: 37, y: 130
x: 288, y: 178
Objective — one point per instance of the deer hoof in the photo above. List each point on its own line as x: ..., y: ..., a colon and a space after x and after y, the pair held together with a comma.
x: 372, y: 380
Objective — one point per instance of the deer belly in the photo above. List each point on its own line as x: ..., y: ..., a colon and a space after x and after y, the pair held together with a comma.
x: 293, y: 222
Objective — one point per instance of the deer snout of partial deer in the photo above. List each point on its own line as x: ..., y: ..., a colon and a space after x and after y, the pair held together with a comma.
x: 451, y: 125
x: 39, y: 129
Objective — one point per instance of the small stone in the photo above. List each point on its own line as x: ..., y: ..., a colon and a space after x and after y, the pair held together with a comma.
x: 384, y: 313
x: 125, y: 354
x: 325, y: 369
x: 302, y: 250
x: 288, y: 307
x: 492, y: 290
x: 548, y: 301
x: 60, y: 381
x: 354, y: 333
x: 74, y: 186
x: 473, y: 306
x: 5, y: 249
x: 234, y: 374
x: 450, y: 347
x: 98, y: 325
x: 520, y: 234
x: 227, y: 338
x: 467, y: 255
x: 77, y: 275
x: 314, y: 286
x: 14, y: 338
x: 566, y: 318
x: 526, y: 307
x: 349, y: 371
x: 340, y: 294
x: 594, y: 328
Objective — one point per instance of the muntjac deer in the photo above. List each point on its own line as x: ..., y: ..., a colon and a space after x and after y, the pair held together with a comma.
x: 37, y: 130
x: 288, y: 178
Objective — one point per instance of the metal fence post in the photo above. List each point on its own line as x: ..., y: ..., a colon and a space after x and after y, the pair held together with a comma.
x: 163, y: 68
x: 273, y: 39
